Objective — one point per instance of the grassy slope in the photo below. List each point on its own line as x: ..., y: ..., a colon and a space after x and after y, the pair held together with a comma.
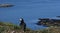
x: 9, y: 27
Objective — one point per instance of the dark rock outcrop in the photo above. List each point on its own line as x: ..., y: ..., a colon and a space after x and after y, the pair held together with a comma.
x: 48, y: 22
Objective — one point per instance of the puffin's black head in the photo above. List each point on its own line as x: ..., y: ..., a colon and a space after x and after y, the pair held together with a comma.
x: 21, y: 20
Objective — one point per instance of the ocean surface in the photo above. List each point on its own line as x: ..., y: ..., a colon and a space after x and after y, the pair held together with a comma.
x: 30, y: 10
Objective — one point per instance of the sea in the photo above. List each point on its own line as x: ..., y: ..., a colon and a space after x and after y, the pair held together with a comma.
x: 30, y: 11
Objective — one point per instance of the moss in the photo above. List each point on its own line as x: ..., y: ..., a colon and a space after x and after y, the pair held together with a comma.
x: 5, y: 27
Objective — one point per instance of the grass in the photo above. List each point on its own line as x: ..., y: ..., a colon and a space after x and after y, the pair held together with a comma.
x: 9, y: 27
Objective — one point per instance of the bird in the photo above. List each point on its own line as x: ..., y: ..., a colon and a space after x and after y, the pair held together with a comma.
x: 22, y: 24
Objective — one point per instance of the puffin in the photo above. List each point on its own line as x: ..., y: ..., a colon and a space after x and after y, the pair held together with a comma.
x: 22, y: 24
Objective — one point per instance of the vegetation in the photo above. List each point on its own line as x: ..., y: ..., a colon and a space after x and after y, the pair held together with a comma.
x: 9, y: 27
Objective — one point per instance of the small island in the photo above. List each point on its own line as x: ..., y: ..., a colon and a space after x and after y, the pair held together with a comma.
x: 48, y: 22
